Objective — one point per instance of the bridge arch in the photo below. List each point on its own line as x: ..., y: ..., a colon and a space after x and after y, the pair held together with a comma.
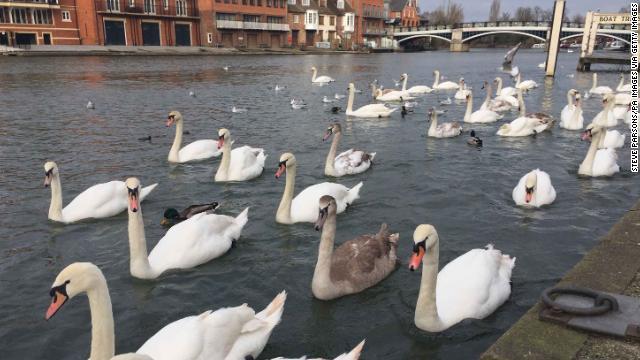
x: 513, y: 32
x: 424, y: 35
x: 597, y: 34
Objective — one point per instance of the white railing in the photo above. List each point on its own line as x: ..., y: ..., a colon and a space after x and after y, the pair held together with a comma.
x: 278, y: 27
x: 228, y: 24
x: 255, y: 25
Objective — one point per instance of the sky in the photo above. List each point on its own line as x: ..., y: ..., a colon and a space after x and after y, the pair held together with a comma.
x: 478, y: 10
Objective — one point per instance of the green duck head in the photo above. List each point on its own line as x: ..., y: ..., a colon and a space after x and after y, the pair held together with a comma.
x: 171, y: 217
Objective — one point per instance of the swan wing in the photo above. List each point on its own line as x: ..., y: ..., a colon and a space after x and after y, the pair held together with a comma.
x: 605, y: 163
x: 518, y: 194
x: 98, y: 201
x: 199, y: 150
x: 304, y: 207
x: 613, y: 139
x: 545, y: 193
x: 246, y: 163
x: 353, y: 161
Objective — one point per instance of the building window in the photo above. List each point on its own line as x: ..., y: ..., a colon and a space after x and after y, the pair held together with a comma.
x: 332, y: 20
x: 165, y: 4
x: 42, y: 16
x: 181, y: 7
x: 132, y: 3
x: 322, y: 20
x: 226, y: 17
x: 305, y: 2
x: 274, y: 20
x: 291, y: 2
x: 4, y: 18
x: 19, y: 16
x: 340, y: 4
x: 210, y: 38
x: 149, y: 6
x: 66, y: 16
x: 113, y: 5
x: 296, y: 19
x: 251, y: 18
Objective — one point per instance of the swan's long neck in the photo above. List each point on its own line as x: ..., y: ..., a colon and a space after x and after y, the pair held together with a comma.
x: 313, y: 77
x: 352, y: 95
x: 595, y: 81
x: 499, y: 88
x: 328, y: 165
x: 586, y: 168
x: 102, y: 331
x: 223, y: 170
x: 55, y: 209
x: 523, y: 109
x: 488, y: 96
x: 284, y: 209
x: 177, y: 143
x: 436, y: 81
x: 321, y: 274
x: 569, y: 98
x: 404, y: 83
x: 434, y: 123
x: 426, y: 316
x: 139, y: 265
x: 467, y: 114
x: 620, y: 84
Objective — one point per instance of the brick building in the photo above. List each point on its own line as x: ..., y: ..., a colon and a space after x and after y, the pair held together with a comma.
x: 38, y: 22
x: 243, y: 23
x: 320, y: 23
x: 404, y: 13
x: 369, y: 22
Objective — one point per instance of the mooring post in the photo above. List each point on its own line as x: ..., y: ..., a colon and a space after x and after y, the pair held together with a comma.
x: 554, y: 38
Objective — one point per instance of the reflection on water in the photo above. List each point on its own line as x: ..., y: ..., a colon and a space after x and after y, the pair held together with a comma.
x: 464, y: 191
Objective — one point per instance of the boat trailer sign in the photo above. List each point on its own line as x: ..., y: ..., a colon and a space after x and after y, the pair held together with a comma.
x: 613, y: 18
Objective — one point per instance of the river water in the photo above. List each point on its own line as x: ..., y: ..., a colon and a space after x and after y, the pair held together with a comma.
x: 463, y: 191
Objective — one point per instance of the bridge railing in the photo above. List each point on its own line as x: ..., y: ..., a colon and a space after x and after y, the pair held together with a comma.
x: 505, y: 24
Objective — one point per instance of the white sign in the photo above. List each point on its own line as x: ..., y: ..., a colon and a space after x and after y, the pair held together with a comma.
x: 613, y: 18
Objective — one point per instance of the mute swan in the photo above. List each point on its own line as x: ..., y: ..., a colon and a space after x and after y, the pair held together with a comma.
x: 355, y: 265
x: 606, y: 118
x: 462, y: 92
x: 622, y: 87
x: 542, y: 65
x: 601, y: 162
x: 447, y: 101
x: 238, y: 110
x: 239, y: 164
x: 347, y: 163
x: 612, y: 139
x: 474, y: 140
x: 507, y: 91
x: 172, y: 216
x: 326, y: 100
x: 319, y: 79
x: 447, y: 85
x: 226, y: 68
x: 417, y: 89
x: 193, y: 242
x: 279, y: 88
x: 192, y: 93
x: 90, y: 105
x: 472, y: 286
x: 367, y: 111
x: 339, y: 96
x: 598, y: 90
x: 393, y: 95
x: 351, y: 355
x: 210, y: 335
x: 304, y: 207
x: 534, y: 189
x: 197, y: 150
x: 526, y: 124
x: 480, y: 116
x: 623, y: 99
x: 97, y: 202
x: 444, y: 130
x: 571, y: 116
x: 525, y: 85
x: 495, y: 105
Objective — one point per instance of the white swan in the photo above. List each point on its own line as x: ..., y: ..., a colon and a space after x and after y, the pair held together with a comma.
x: 495, y: 105
x: 239, y: 164
x: 447, y: 85
x: 606, y: 117
x: 507, y: 91
x: 347, y: 163
x: 601, y: 162
x: 210, y: 335
x: 238, y: 110
x: 197, y: 150
x: 526, y: 124
x: 98, y: 201
x: 525, y: 85
x: 534, y: 190
x: 480, y: 116
x: 571, y: 116
x: 319, y: 79
x: 389, y: 95
x: 612, y: 139
x: 367, y: 111
x: 416, y: 89
x: 351, y: 355
x: 195, y: 241
x: 627, y: 116
x: 462, y: 92
x: 598, y: 90
x: 623, y: 99
x: 622, y: 87
x: 304, y: 207
x: 444, y: 130
x: 472, y: 286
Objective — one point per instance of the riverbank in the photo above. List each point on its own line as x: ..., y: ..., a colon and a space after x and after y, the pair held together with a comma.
x: 96, y: 50
x: 611, y: 266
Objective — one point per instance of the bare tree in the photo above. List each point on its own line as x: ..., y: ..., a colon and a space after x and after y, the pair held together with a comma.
x: 494, y: 12
x: 455, y: 13
x: 446, y: 16
x: 625, y: 9
x: 524, y: 14
x: 506, y: 16
x: 578, y: 18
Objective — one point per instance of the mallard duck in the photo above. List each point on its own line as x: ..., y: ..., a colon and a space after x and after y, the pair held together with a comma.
x: 172, y: 216
x: 474, y: 140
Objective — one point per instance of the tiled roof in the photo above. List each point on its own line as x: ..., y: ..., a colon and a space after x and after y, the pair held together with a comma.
x: 397, y: 5
x: 330, y: 9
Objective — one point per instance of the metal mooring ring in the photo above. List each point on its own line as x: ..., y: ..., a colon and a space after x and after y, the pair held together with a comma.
x: 602, y: 303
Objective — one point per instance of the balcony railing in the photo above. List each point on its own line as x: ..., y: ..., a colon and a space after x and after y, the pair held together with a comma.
x: 43, y: 2
x: 374, y: 31
x: 149, y: 7
x: 373, y: 15
x: 249, y: 25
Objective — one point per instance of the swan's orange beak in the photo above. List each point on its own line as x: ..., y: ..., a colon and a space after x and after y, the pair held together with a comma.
x: 56, y: 303
x: 416, y: 259
x: 47, y: 178
x: 220, y: 142
x: 327, y: 135
x: 529, y: 195
x: 281, y: 169
x: 170, y: 120
x: 134, y: 201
